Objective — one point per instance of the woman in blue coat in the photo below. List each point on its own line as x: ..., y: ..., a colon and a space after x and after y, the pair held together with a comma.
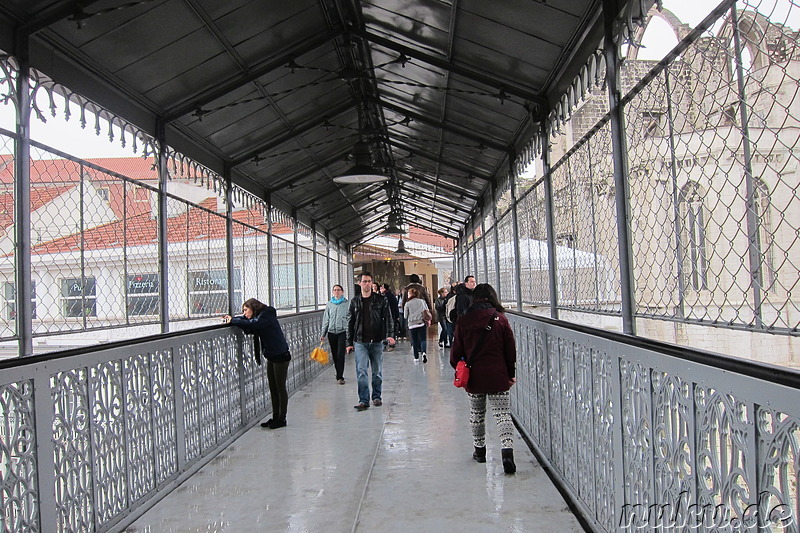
x: 334, y: 325
x: 262, y: 321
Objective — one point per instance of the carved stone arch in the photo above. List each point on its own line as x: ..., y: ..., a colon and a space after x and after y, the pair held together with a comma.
x: 753, y: 28
x: 680, y: 29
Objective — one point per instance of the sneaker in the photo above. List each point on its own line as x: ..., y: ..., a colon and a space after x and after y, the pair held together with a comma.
x: 424, y: 357
x: 361, y: 407
x: 441, y: 343
x: 340, y: 381
x: 416, y: 359
x: 377, y: 402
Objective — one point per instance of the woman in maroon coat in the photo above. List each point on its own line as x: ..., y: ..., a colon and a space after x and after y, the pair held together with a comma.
x: 492, y: 370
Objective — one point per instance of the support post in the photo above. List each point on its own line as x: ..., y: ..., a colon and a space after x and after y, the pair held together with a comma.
x: 549, y: 217
x: 226, y: 174
x: 620, y: 155
x: 163, y: 214
x: 22, y: 209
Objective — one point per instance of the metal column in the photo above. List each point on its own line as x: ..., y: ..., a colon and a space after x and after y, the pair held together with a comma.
x: 229, y: 235
x: 22, y: 208
x: 549, y: 216
x: 620, y: 154
x: 163, y: 244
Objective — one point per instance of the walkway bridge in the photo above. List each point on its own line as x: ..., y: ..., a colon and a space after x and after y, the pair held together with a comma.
x: 638, y: 215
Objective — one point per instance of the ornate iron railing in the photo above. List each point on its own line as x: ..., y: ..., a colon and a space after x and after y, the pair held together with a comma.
x: 645, y: 436
x: 91, y: 439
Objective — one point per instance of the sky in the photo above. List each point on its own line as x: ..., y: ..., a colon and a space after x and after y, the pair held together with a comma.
x: 70, y: 138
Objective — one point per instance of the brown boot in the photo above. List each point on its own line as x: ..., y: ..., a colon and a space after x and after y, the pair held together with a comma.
x: 479, y: 454
x: 508, y: 460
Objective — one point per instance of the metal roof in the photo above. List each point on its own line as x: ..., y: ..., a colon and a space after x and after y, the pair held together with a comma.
x: 276, y: 93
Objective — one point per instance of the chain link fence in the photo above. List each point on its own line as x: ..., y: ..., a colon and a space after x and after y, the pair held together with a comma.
x: 96, y: 263
x: 712, y: 146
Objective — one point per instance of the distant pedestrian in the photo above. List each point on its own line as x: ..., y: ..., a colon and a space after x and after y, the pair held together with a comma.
x: 417, y: 326
x: 334, y: 326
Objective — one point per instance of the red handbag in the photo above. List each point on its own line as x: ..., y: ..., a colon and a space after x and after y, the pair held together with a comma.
x: 462, y: 374
x: 462, y: 368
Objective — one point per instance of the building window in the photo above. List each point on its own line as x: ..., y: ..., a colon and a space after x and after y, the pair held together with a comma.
x: 208, y: 292
x: 143, y: 296
x: 693, y: 236
x: 10, y: 296
x: 765, y: 238
x: 78, y: 297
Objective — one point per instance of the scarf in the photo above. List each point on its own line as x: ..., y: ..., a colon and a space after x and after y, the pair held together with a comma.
x: 338, y: 300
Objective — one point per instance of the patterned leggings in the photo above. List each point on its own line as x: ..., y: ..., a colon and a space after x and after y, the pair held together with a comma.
x: 501, y: 409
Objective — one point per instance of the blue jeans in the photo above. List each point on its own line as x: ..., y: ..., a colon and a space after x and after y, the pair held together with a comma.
x: 369, y: 354
x: 419, y: 340
x: 451, y: 328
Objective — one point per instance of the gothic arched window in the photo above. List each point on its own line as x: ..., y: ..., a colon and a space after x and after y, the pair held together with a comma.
x: 693, y: 236
x: 766, y: 240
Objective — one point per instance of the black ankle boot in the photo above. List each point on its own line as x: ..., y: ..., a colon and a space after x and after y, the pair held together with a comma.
x: 479, y: 454
x: 508, y: 460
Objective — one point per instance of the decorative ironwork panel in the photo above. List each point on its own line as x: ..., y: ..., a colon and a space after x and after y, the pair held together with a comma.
x: 108, y: 440
x: 636, y: 433
x: 139, y: 426
x: 556, y: 412
x: 191, y: 400
x: 779, y: 458
x: 206, y: 364
x: 72, y: 453
x: 568, y: 416
x: 673, y: 446
x: 542, y: 388
x: 165, y: 436
x: 724, y: 429
x: 584, y: 426
x: 605, y: 425
x: 18, y: 480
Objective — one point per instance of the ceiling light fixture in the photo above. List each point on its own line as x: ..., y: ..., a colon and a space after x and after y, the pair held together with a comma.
x: 401, y: 248
x: 362, y: 172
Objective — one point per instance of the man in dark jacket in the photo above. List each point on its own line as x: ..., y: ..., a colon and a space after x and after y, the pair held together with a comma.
x: 369, y: 322
x: 464, y: 297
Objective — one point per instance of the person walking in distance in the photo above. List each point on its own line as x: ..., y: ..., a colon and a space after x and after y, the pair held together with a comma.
x: 369, y: 322
x: 334, y: 326
x: 484, y: 339
x: 417, y: 325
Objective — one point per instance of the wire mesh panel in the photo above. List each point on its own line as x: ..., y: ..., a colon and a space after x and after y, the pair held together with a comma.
x: 322, y: 277
x: 532, y: 249
x: 507, y: 266
x: 713, y: 139
x: 491, y: 257
x: 305, y: 267
x: 251, y: 250
x: 585, y: 227
x: 8, y: 270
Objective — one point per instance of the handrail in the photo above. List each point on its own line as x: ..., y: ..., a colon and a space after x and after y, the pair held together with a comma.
x: 93, y: 437
x: 642, y: 435
x: 780, y: 375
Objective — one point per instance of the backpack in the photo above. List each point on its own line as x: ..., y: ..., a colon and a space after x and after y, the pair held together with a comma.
x: 451, y: 315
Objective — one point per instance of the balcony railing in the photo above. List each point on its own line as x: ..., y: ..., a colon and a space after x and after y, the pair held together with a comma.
x: 644, y: 436
x: 90, y: 439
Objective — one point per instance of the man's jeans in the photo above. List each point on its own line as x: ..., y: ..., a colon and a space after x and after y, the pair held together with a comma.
x: 369, y: 353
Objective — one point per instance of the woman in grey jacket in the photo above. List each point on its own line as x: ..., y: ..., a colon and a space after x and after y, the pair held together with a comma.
x: 334, y: 325
x: 417, y: 326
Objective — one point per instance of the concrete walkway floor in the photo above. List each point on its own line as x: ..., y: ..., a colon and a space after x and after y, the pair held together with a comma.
x: 404, y: 466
